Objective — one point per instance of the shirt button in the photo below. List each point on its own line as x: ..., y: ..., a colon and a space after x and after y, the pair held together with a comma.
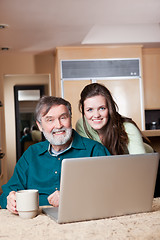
x: 56, y: 188
x: 55, y: 172
x: 59, y: 158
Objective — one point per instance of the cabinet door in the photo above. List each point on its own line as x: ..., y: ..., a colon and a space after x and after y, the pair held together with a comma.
x: 71, y: 92
x: 127, y: 94
x: 151, y: 76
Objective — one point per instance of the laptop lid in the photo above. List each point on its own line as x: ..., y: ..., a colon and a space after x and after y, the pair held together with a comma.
x: 100, y: 187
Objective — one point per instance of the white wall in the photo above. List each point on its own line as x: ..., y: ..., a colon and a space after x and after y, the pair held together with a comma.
x: 125, y: 34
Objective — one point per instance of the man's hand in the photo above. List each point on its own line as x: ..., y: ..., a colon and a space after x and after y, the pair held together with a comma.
x: 53, y: 199
x: 11, y: 202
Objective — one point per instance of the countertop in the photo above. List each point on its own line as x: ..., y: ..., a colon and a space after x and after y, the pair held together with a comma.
x: 144, y: 226
x: 152, y: 133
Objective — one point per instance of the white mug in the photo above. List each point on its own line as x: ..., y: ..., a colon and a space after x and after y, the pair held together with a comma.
x: 27, y: 203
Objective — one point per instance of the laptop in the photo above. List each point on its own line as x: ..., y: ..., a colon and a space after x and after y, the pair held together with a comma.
x: 101, y: 187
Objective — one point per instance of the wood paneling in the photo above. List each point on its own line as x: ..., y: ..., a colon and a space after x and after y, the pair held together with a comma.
x: 151, y: 78
x: 92, y: 52
x: 126, y: 93
x: 72, y: 90
x: 129, y: 103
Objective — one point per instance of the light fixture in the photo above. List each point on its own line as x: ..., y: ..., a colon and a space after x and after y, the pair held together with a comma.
x: 4, y: 48
x: 3, y: 26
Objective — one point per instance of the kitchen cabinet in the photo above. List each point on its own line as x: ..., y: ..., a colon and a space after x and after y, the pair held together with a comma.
x: 92, y: 52
x: 71, y: 92
x: 151, y: 76
x: 140, y: 92
x: 79, y: 66
x: 128, y: 96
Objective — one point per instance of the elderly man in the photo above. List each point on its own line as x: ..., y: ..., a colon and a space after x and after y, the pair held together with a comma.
x: 40, y: 165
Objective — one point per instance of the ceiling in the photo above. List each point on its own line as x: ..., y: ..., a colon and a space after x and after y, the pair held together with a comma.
x: 38, y: 26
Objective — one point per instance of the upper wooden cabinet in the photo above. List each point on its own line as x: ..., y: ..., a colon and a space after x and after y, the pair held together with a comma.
x: 128, y: 96
x: 126, y: 89
x: 151, y: 77
x: 92, y: 52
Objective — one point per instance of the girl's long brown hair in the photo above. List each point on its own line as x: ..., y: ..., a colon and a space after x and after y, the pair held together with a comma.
x: 115, y: 138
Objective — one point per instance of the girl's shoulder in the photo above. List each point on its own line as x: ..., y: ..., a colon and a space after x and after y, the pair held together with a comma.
x: 130, y: 126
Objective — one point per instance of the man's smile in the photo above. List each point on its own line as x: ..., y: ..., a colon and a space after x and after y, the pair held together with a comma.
x: 58, y: 132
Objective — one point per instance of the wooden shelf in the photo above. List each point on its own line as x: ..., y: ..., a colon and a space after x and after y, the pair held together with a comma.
x: 152, y: 133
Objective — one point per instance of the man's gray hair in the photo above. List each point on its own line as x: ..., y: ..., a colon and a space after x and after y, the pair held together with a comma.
x: 46, y: 103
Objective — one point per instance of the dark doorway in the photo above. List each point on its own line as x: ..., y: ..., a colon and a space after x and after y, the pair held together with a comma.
x: 26, y: 98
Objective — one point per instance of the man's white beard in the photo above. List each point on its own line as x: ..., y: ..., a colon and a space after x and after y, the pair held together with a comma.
x: 58, y: 140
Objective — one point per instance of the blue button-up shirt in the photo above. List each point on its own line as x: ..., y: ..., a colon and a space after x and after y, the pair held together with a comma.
x: 39, y: 169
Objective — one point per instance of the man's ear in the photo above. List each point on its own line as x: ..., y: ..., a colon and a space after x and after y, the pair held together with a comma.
x: 39, y: 126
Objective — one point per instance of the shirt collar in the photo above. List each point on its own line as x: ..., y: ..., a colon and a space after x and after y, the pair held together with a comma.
x: 43, y: 147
